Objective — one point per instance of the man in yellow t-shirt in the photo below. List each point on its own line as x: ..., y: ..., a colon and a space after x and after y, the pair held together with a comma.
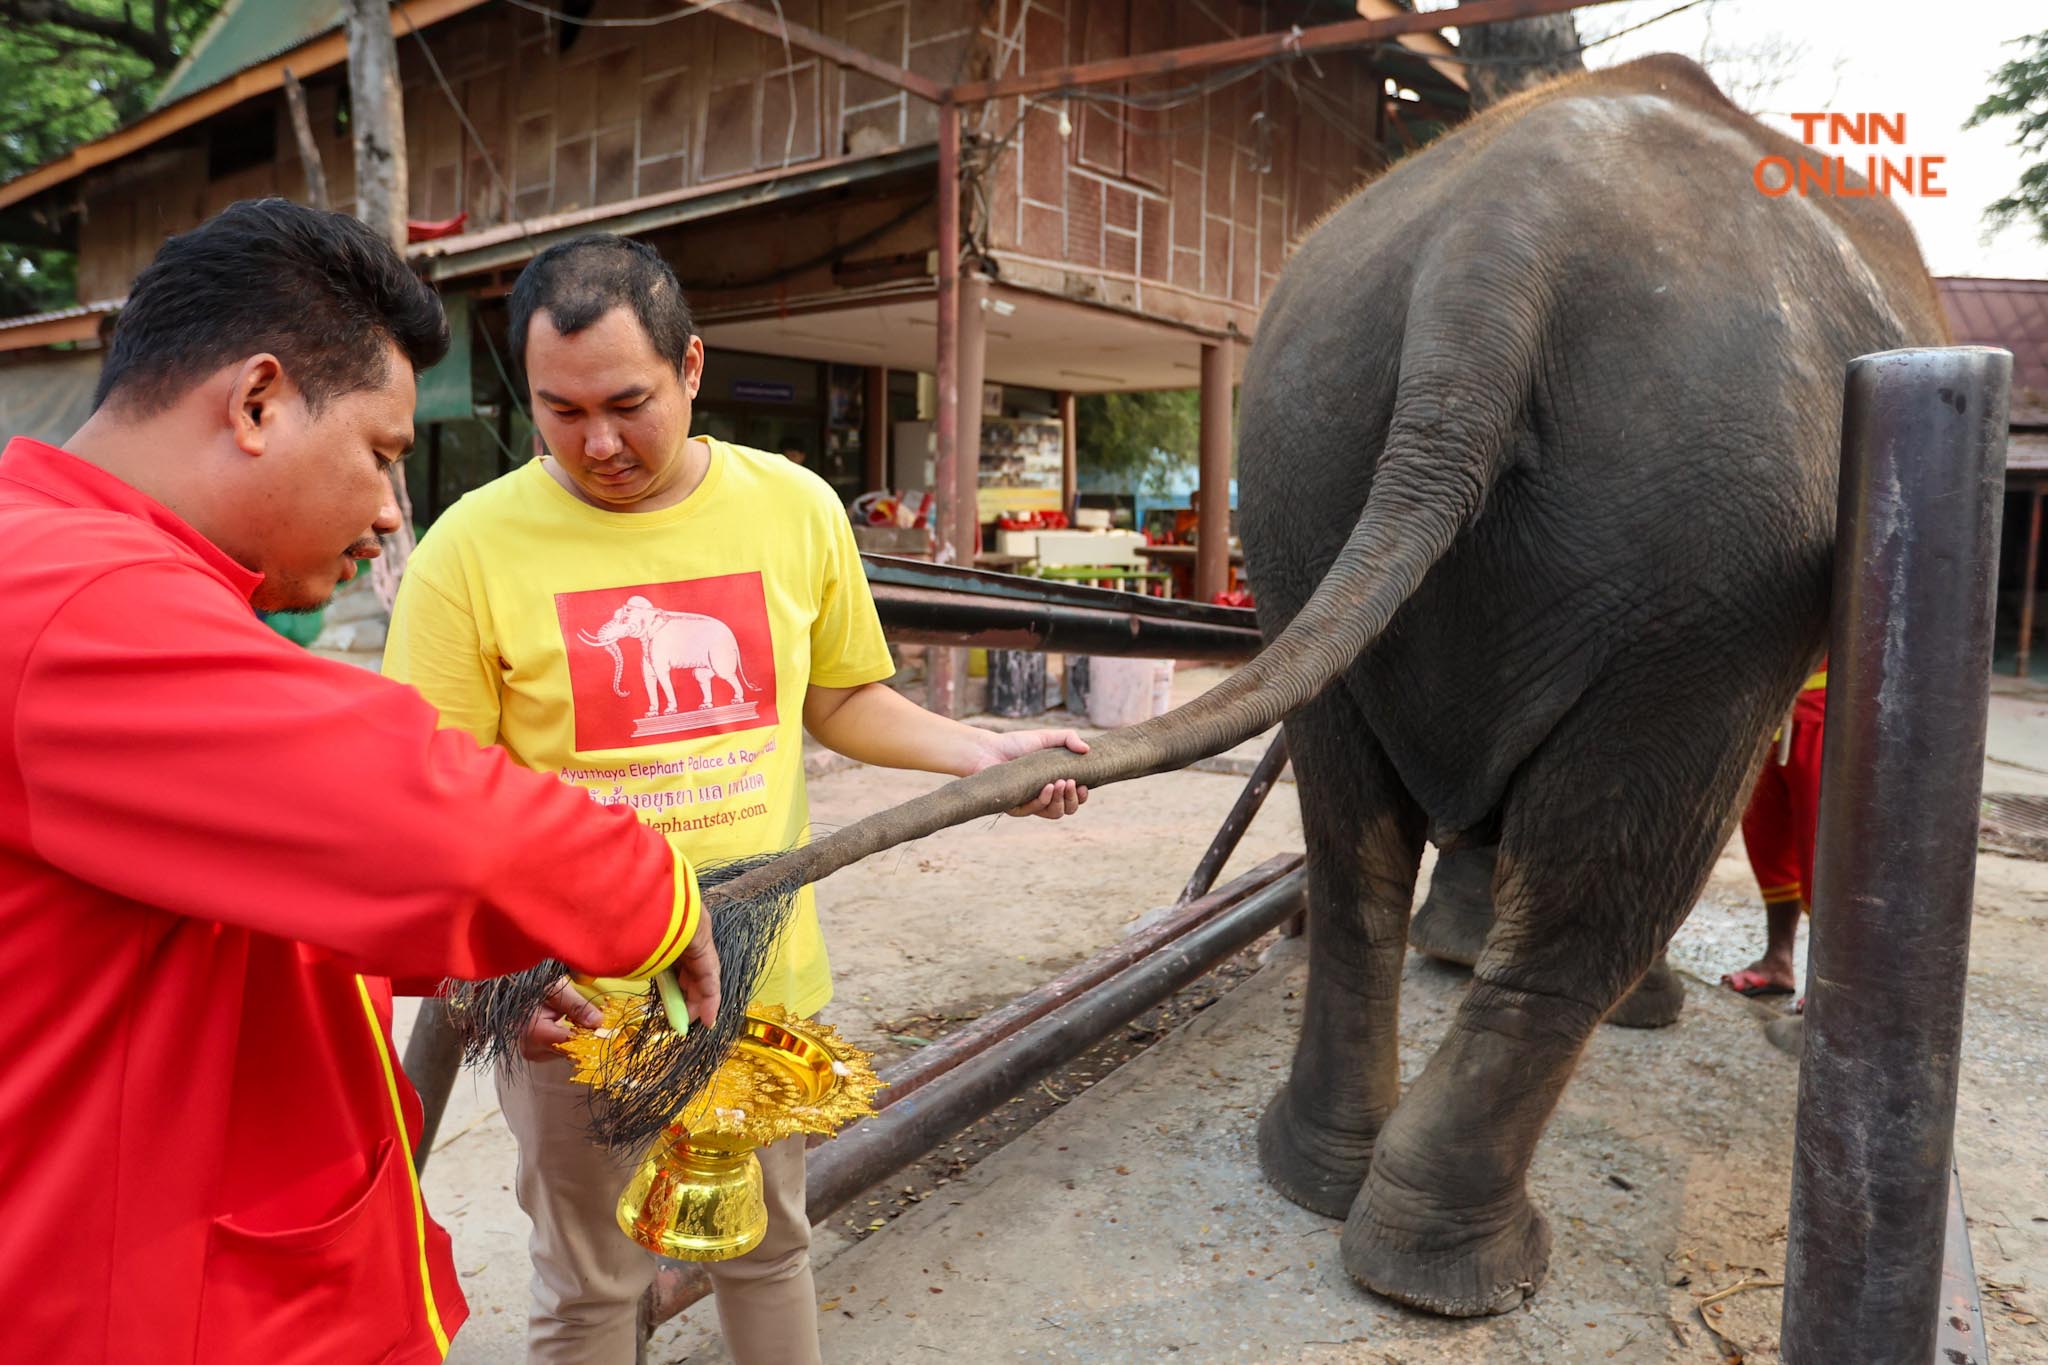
x: 659, y: 620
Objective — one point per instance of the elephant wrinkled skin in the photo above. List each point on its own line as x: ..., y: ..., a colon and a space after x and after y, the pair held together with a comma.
x: 1554, y: 408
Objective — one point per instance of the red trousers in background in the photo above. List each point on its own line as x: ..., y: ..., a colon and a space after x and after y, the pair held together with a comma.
x: 1778, y: 826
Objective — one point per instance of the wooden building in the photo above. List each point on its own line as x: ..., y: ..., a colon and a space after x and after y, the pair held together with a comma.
x: 849, y: 194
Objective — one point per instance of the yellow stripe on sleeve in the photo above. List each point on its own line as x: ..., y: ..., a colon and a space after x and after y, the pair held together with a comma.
x: 682, y: 922
x: 419, y: 1208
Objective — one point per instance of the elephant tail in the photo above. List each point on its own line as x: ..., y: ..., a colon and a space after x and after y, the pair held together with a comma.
x: 1468, y: 360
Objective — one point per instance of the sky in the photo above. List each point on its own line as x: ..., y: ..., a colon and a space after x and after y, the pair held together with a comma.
x: 1929, y: 62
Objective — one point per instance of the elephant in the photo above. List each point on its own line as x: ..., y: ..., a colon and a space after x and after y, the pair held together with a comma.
x: 671, y: 640
x: 1537, y: 452
x: 1550, y: 415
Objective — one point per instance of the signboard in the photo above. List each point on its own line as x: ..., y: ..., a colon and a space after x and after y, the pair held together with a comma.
x: 1021, y: 452
x: 763, y: 391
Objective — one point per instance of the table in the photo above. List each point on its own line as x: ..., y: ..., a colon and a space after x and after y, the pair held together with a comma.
x: 1180, y: 560
x: 1105, y: 575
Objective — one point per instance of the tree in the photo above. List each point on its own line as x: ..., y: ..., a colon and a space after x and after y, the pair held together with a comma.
x: 70, y: 73
x: 2019, y: 90
x: 1144, y: 439
x: 1514, y: 55
x: 1749, y: 73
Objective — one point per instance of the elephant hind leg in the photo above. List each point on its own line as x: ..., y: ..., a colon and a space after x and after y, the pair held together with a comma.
x: 1364, y: 841
x: 1457, y: 914
x: 1594, y: 876
x: 1455, y: 919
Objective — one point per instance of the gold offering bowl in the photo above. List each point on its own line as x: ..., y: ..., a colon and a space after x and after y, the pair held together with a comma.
x: 697, y: 1196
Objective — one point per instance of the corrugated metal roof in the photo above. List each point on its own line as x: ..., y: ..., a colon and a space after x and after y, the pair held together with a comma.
x: 60, y: 314
x: 2012, y: 314
x: 244, y: 33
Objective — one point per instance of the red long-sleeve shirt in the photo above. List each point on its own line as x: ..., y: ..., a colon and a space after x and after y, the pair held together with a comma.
x: 209, y: 840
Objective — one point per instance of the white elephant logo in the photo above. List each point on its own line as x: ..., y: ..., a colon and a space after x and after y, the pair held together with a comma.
x: 672, y: 642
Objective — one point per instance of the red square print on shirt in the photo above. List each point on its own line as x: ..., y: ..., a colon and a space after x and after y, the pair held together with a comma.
x: 660, y: 662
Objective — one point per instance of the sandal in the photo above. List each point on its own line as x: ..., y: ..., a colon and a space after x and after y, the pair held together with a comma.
x: 1752, y: 983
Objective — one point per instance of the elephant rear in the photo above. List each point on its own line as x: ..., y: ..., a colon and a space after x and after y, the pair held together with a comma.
x: 1668, y: 344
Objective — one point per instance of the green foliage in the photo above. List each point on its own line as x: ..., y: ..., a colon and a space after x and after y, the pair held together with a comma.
x: 70, y: 73
x: 2019, y: 90
x: 1142, y: 439
x: 36, y: 280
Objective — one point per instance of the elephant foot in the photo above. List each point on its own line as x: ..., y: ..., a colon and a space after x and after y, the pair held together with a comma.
x: 1308, y: 1164
x: 1453, y: 1262
x: 1654, y: 1003
x: 1451, y: 929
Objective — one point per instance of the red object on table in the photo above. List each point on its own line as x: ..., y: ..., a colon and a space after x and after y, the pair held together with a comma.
x: 1033, y: 521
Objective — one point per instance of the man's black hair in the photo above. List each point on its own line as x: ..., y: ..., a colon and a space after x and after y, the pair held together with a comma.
x: 582, y: 279
x: 320, y: 291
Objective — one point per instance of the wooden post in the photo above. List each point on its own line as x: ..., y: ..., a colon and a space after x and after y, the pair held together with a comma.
x: 377, y: 119
x: 972, y: 341
x: 1070, y: 456
x: 309, y: 150
x: 2027, y: 588
x: 947, y: 668
x: 874, y: 441
x: 1212, y: 525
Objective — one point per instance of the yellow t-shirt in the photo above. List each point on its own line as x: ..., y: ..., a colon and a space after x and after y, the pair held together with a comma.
x: 657, y: 659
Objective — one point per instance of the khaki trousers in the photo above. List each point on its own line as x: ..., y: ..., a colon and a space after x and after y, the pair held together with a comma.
x: 588, y: 1276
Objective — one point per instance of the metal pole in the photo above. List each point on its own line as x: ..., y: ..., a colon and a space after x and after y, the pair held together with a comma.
x: 1923, y: 459
x: 946, y: 669
x: 1959, y: 1332
x: 880, y: 1146
x: 1070, y: 457
x: 931, y: 616
x: 927, y: 1064
x: 971, y: 343
x: 874, y: 444
x: 1212, y: 523
x: 1238, y: 821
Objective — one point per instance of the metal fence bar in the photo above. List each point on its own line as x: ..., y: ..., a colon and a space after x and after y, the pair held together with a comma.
x: 1959, y: 1335
x: 942, y: 605
x: 677, y: 1284
x: 1923, y: 457
x: 1256, y: 788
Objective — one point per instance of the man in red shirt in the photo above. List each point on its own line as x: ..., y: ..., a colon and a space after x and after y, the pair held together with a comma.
x: 214, y: 846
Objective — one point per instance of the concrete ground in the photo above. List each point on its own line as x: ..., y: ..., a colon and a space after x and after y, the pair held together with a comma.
x: 1132, y: 1225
